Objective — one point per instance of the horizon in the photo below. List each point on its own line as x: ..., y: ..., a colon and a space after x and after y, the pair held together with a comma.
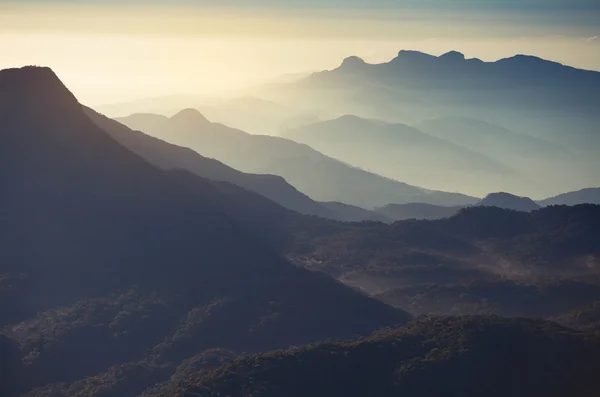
x: 109, y: 52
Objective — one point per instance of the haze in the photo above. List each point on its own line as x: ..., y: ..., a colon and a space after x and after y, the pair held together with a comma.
x: 109, y: 52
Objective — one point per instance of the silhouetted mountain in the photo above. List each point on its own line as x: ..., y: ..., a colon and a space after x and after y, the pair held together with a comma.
x: 583, y: 196
x: 167, y: 156
x: 464, y: 356
x: 532, y: 98
x: 509, y: 201
x: 545, y: 83
x: 401, y: 152
x: 399, y: 212
x: 320, y: 177
x: 114, y: 269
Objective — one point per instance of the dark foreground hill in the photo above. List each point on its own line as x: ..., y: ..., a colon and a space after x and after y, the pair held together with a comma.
x: 115, y: 271
x: 464, y: 356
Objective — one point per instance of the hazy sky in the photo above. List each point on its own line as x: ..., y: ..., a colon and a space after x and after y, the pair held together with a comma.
x: 110, y: 51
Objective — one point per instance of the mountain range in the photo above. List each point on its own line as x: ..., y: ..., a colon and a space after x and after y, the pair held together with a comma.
x: 109, y: 263
x: 404, y: 153
x: 499, y: 109
x: 320, y: 177
x: 133, y: 267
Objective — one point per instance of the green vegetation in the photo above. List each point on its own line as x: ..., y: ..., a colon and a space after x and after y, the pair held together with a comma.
x: 463, y: 356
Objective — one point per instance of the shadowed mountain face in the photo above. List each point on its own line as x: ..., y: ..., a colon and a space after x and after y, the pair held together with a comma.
x: 168, y: 156
x: 464, y: 356
x: 113, y: 269
x: 320, y: 177
x: 540, y: 116
x: 403, y: 153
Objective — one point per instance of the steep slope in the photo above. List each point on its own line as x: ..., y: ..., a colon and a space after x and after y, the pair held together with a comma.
x: 508, y: 201
x: 470, y: 356
x: 168, y: 156
x: 399, y: 212
x: 108, y: 263
x: 583, y: 196
x: 402, y: 152
x: 320, y: 177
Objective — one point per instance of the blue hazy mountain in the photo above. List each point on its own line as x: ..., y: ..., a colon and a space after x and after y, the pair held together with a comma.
x: 583, y: 196
x: 405, y: 153
x: 321, y: 177
x: 537, y: 116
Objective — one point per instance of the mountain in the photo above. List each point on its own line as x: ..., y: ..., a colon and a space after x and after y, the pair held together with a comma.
x: 541, y: 162
x: 399, y: 212
x: 509, y: 201
x: 320, y: 177
x: 527, y: 96
x: 493, y: 140
x: 169, y: 157
x: 404, y: 153
x: 481, y: 260
x: 452, y: 76
x: 464, y: 356
x: 352, y: 213
x: 116, y: 271
x: 583, y: 196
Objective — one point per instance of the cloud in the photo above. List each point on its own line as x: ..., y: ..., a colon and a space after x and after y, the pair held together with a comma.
x: 592, y: 39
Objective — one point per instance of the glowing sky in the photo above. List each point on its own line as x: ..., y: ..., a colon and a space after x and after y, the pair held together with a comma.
x: 110, y: 51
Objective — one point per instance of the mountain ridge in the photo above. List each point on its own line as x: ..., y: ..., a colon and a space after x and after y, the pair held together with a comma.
x: 321, y: 177
x: 107, y: 262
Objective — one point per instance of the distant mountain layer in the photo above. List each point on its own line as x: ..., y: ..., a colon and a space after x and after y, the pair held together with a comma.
x: 355, y: 214
x: 168, y: 156
x: 399, y: 212
x: 491, y: 139
x: 320, y: 177
x: 403, y: 153
x: 590, y: 195
x: 544, y: 84
x: 509, y: 201
x: 464, y: 356
x: 115, y: 272
x: 535, y: 116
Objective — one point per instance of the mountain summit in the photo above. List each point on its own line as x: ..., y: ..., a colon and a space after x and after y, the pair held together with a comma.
x: 109, y: 265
